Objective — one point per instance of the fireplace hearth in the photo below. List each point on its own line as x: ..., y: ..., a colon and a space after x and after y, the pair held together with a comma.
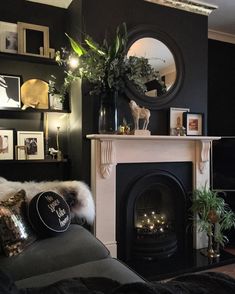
x: 160, y: 269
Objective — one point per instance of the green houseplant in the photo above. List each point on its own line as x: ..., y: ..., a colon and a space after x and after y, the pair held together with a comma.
x: 107, y: 68
x: 213, y: 217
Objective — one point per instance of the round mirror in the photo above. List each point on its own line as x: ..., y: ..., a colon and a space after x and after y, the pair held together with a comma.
x: 161, y: 60
x: 165, y: 59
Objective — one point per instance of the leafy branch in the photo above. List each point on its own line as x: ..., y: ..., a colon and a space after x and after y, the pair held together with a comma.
x: 105, y: 66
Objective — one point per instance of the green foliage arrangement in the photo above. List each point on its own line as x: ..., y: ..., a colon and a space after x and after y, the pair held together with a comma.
x: 105, y: 66
x: 215, y: 216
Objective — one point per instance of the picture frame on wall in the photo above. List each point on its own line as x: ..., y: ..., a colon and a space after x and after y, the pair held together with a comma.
x: 39, y: 33
x: 10, y: 91
x: 176, y: 120
x: 34, y: 142
x: 6, y: 144
x: 8, y: 37
x: 193, y: 123
x: 55, y: 102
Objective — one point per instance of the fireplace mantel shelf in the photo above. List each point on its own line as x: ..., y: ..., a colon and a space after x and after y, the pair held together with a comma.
x: 152, y: 137
x: 107, y: 149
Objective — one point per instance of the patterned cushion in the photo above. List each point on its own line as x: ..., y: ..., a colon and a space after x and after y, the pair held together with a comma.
x: 15, y: 231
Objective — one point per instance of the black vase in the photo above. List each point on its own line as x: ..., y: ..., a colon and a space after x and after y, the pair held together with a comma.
x: 108, y: 121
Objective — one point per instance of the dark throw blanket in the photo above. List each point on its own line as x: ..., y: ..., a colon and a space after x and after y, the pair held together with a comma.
x: 203, y: 283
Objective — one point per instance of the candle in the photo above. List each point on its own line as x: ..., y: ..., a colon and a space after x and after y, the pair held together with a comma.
x: 57, y: 139
x: 46, y: 126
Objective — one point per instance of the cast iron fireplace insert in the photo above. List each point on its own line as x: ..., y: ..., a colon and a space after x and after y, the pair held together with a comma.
x: 153, y: 220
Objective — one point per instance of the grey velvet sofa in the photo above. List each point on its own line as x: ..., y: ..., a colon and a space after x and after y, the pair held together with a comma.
x: 74, y: 253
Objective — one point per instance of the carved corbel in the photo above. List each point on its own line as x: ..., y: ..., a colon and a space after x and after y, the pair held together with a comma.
x: 106, y: 158
x: 205, y: 155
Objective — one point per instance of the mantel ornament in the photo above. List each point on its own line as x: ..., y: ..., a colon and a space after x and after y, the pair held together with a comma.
x: 140, y: 113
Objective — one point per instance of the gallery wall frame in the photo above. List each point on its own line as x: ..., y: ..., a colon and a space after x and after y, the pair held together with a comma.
x: 34, y: 142
x: 10, y: 91
x: 8, y: 37
x: 193, y: 123
x: 43, y: 50
x: 7, y: 140
x: 176, y: 119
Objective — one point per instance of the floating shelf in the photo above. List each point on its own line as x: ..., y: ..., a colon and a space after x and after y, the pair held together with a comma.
x: 27, y: 58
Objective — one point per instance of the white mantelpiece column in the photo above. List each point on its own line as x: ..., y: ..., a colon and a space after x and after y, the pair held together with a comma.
x: 109, y: 150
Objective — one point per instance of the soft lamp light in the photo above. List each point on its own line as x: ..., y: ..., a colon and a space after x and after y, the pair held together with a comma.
x: 73, y: 62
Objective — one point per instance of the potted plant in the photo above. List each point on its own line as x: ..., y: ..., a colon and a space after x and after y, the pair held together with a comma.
x: 213, y: 217
x: 107, y: 68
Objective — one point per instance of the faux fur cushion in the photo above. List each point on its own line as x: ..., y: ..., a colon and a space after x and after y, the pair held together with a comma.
x: 76, y: 194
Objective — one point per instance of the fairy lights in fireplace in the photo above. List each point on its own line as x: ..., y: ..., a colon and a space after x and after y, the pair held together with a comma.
x: 152, y: 222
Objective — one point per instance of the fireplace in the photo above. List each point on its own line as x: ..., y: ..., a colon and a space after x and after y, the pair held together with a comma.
x: 152, y: 217
x: 110, y: 152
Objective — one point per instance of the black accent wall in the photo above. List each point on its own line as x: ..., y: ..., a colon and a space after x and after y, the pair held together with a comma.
x: 100, y: 19
x: 221, y: 88
x: 221, y: 119
x: 189, y: 31
x: 28, y: 67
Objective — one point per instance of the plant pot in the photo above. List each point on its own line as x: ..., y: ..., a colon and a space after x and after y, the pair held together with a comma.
x: 108, y: 122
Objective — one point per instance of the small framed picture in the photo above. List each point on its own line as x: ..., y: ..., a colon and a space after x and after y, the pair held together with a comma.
x: 55, y: 102
x: 8, y: 37
x: 10, y: 91
x: 38, y: 33
x: 193, y: 123
x: 34, y: 145
x: 6, y: 144
x: 176, y: 120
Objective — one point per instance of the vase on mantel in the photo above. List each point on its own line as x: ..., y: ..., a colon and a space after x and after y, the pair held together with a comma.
x: 108, y: 122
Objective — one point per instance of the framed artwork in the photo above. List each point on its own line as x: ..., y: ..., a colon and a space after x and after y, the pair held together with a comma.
x: 10, y: 91
x: 55, y: 102
x: 40, y: 35
x: 6, y: 144
x: 193, y: 123
x: 176, y: 120
x: 33, y: 141
x: 8, y: 37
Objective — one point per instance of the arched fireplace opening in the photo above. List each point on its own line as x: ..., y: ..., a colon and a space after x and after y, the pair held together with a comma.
x: 153, y: 210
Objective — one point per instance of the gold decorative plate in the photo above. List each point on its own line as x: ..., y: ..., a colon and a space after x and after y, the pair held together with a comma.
x: 34, y: 93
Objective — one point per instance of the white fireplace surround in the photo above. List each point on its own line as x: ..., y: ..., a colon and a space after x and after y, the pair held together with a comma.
x: 109, y: 150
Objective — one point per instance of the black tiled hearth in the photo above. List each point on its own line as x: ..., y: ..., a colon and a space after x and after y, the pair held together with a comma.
x: 178, y: 264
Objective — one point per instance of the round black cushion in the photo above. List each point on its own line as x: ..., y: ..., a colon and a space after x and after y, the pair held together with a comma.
x: 49, y: 213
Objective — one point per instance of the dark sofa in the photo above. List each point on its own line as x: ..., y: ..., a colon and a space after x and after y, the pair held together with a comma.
x: 74, y: 253
x: 76, y: 262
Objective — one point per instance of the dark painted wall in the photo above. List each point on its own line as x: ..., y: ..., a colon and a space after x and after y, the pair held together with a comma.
x: 221, y: 118
x: 188, y: 30
x: 221, y: 88
x: 28, y: 68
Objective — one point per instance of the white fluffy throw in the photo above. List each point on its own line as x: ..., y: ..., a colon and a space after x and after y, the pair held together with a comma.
x: 76, y: 193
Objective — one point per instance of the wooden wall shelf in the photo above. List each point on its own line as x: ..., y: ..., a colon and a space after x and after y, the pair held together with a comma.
x: 40, y: 170
x: 27, y: 58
